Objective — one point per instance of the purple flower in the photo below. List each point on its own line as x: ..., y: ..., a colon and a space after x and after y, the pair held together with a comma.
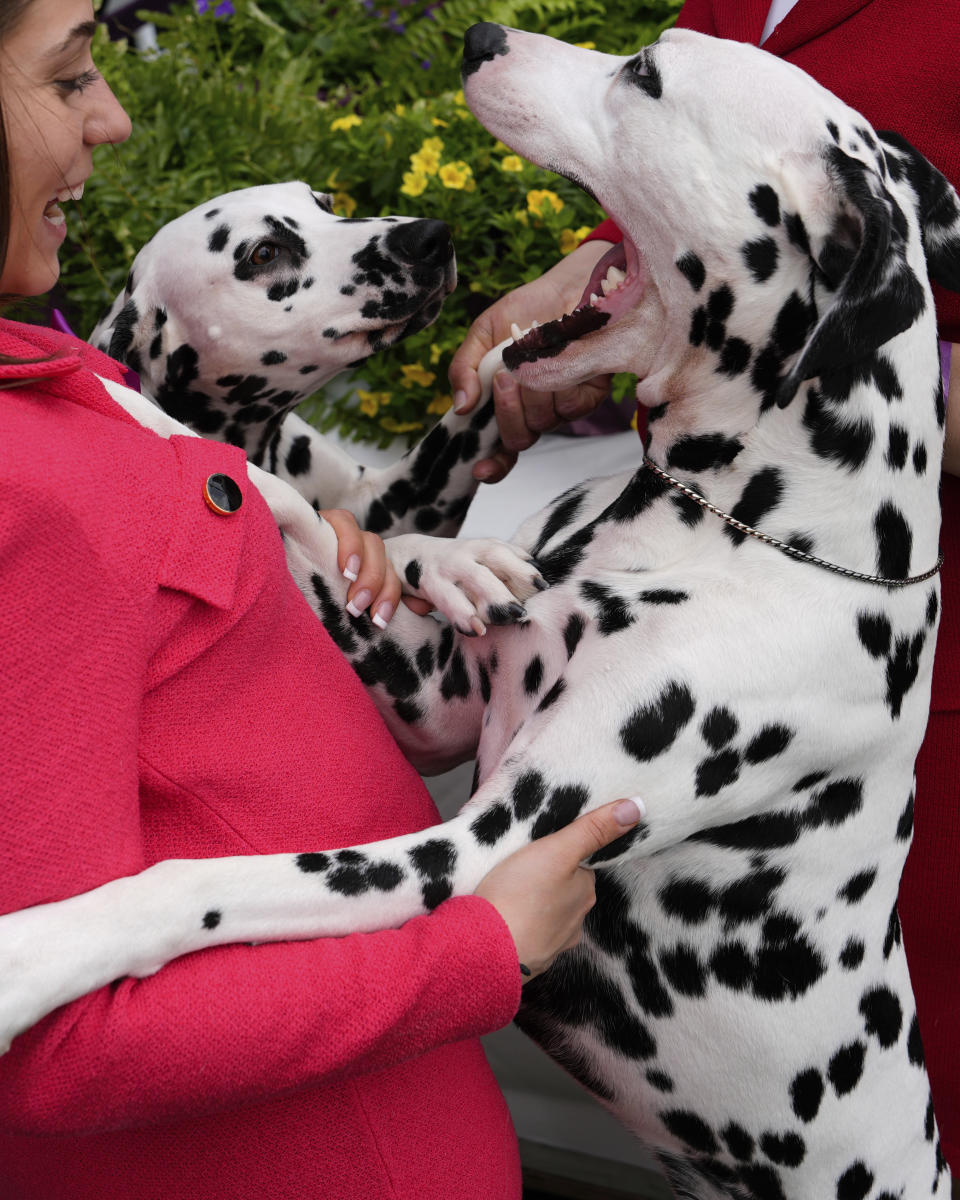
x: 394, y: 24
x: 224, y: 9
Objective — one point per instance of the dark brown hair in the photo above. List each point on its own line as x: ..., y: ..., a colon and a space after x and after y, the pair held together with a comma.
x: 11, y: 13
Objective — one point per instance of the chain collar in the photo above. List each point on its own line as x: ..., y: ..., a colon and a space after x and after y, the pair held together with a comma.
x: 784, y: 546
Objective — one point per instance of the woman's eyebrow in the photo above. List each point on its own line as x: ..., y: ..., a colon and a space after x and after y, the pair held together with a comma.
x: 80, y: 33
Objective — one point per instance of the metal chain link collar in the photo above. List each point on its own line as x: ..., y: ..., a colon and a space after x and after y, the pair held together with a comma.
x: 783, y: 546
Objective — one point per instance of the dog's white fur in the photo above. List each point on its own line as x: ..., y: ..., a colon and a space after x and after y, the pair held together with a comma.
x: 741, y: 998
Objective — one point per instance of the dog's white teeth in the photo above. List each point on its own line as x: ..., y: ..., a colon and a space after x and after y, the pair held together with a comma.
x: 534, y: 324
x: 594, y: 298
x: 613, y: 279
x: 516, y: 332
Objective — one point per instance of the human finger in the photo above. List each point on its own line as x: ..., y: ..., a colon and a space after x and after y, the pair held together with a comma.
x: 594, y: 831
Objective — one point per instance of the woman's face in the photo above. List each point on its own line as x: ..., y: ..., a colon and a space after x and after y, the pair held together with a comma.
x: 56, y: 108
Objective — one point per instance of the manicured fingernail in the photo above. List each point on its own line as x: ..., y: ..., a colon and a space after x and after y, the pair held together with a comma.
x: 460, y: 401
x: 352, y: 569
x: 359, y: 602
x: 478, y: 626
x: 504, y: 382
x: 383, y: 615
x: 483, y: 470
x: 629, y: 812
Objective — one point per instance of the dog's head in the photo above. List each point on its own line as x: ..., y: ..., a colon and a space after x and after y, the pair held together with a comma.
x: 768, y: 229
x: 235, y: 311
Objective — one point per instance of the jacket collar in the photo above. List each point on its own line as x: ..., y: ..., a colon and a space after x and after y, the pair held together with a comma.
x: 744, y: 21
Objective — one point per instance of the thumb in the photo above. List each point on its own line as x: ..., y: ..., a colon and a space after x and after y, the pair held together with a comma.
x: 463, y: 375
x: 595, y: 830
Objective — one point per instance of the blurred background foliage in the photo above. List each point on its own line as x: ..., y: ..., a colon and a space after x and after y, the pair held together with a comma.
x: 358, y: 98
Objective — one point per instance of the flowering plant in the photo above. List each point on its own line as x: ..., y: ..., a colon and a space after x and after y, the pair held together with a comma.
x: 360, y: 99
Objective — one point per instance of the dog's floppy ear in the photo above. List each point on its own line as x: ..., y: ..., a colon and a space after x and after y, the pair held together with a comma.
x: 863, y: 257
x: 938, y: 209
x: 124, y: 331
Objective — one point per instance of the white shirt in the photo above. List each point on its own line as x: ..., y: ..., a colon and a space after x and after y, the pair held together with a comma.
x: 778, y: 10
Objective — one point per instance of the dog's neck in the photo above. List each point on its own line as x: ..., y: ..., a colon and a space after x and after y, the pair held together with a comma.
x: 849, y: 442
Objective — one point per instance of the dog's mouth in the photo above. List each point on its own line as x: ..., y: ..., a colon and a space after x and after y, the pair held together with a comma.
x: 615, y: 287
x: 408, y: 317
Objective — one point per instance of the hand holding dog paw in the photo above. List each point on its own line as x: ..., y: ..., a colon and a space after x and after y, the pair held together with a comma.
x: 474, y: 582
x: 542, y: 891
x: 362, y: 558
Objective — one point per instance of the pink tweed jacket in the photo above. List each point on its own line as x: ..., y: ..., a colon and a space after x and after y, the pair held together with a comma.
x: 166, y: 692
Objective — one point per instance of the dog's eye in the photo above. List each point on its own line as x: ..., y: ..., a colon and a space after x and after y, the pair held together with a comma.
x: 637, y: 66
x: 263, y: 253
x: 642, y: 71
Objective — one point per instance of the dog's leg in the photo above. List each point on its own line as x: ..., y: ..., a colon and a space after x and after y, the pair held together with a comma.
x: 134, y: 925
x: 427, y: 491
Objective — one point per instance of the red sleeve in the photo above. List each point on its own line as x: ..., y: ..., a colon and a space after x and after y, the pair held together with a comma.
x: 243, y: 1023
x: 215, y: 1029
x: 697, y: 15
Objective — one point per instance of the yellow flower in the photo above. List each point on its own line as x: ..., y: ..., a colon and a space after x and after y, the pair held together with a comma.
x: 586, y: 45
x: 344, y: 205
x: 400, y: 109
x: 347, y: 122
x: 456, y: 175
x: 538, y: 198
x: 392, y: 425
x: 427, y: 158
x: 440, y: 124
x: 439, y: 404
x: 414, y: 183
x: 415, y: 373
x: 458, y: 97
x: 370, y: 402
x: 476, y: 286
x: 513, y: 162
x: 570, y: 239
x: 436, y: 351
x: 521, y: 216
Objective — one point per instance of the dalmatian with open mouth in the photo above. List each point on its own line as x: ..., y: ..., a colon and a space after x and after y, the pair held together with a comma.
x: 741, y: 632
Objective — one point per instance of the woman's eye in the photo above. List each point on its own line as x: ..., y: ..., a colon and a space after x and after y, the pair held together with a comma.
x: 78, y: 83
x: 263, y: 253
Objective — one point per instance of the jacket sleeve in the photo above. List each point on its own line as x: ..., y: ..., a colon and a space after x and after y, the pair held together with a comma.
x: 243, y: 1023
x: 215, y: 1029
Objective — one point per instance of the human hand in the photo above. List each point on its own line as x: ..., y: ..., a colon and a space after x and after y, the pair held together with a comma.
x: 523, y: 414
x: 543, y: 893
x: 362, y: 559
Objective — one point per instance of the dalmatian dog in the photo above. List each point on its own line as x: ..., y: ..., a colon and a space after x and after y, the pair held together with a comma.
x: 741, y: 632
x: 239, y: 309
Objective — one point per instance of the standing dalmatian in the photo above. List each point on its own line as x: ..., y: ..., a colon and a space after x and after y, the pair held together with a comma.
x: 741, y: 632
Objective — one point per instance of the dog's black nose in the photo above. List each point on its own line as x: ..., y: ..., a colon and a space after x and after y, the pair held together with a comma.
x: 481, y: 43
x: 424, y: 243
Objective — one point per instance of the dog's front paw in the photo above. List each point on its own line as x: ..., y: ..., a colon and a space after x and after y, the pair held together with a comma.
x: 474, y: 582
